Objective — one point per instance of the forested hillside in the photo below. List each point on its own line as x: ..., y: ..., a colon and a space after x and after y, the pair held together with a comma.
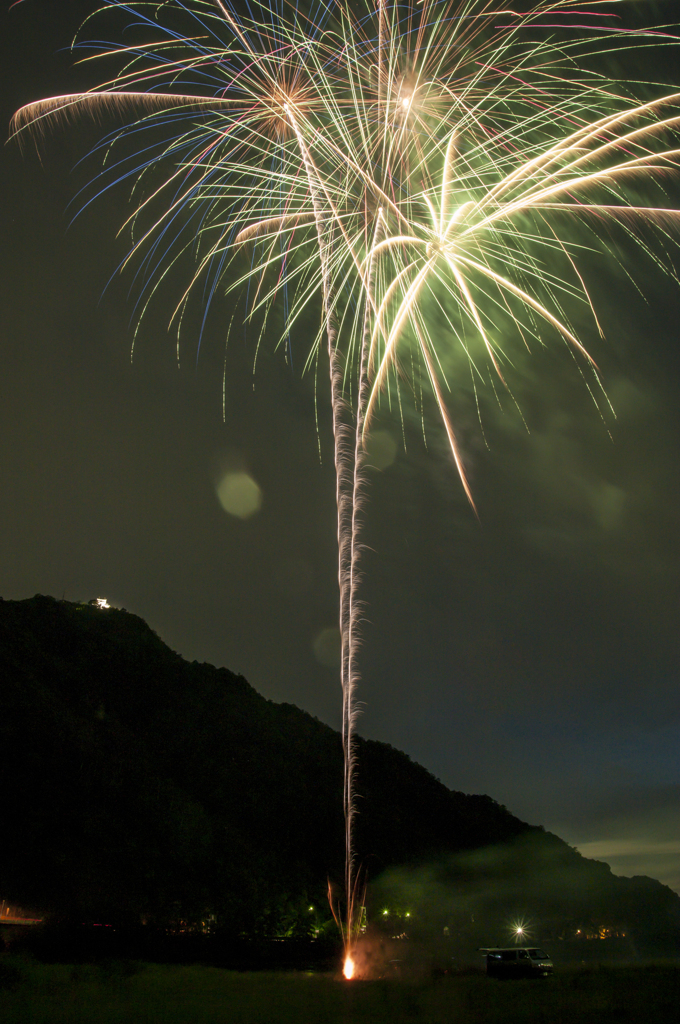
x: 137, y: 785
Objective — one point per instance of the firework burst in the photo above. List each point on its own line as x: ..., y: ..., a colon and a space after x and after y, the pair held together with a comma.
x: 445, y: 161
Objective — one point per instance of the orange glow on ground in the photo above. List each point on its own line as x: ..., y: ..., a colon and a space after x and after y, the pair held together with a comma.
x: 348, y: 968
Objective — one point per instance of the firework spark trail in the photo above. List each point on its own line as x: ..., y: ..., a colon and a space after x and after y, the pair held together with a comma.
x: 451, y: 246
x: 373, y: 161
x: 357, y: 505
x: 345, y: 496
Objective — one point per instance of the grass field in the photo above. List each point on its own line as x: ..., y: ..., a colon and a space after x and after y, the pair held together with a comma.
x: 122, y: 992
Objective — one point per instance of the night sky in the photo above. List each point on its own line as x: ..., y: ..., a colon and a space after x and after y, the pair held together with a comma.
x: 532, y: 655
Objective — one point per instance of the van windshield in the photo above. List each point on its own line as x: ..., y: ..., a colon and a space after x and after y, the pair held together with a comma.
x: 538, y: 954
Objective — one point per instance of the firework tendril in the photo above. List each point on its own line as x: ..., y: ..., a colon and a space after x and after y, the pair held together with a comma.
x: 428, y: 174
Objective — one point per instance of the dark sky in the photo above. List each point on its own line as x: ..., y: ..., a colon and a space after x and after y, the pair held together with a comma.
x: 532, y: 656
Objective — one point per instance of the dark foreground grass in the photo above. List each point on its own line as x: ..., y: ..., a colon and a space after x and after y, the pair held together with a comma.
x: 122, y: 993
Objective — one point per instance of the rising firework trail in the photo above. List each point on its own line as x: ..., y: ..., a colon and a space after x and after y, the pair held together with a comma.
x: 431, y: 176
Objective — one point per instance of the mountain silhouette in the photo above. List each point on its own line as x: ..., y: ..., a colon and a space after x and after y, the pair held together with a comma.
x: 140, y: 786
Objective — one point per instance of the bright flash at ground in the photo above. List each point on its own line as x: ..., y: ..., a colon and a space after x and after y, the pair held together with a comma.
x: 348, y: 968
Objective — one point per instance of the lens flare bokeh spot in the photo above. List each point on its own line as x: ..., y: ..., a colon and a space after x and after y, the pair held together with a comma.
x: 239, y: 495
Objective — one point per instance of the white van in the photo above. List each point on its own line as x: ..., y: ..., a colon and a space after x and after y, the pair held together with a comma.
x: 517, y: 962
